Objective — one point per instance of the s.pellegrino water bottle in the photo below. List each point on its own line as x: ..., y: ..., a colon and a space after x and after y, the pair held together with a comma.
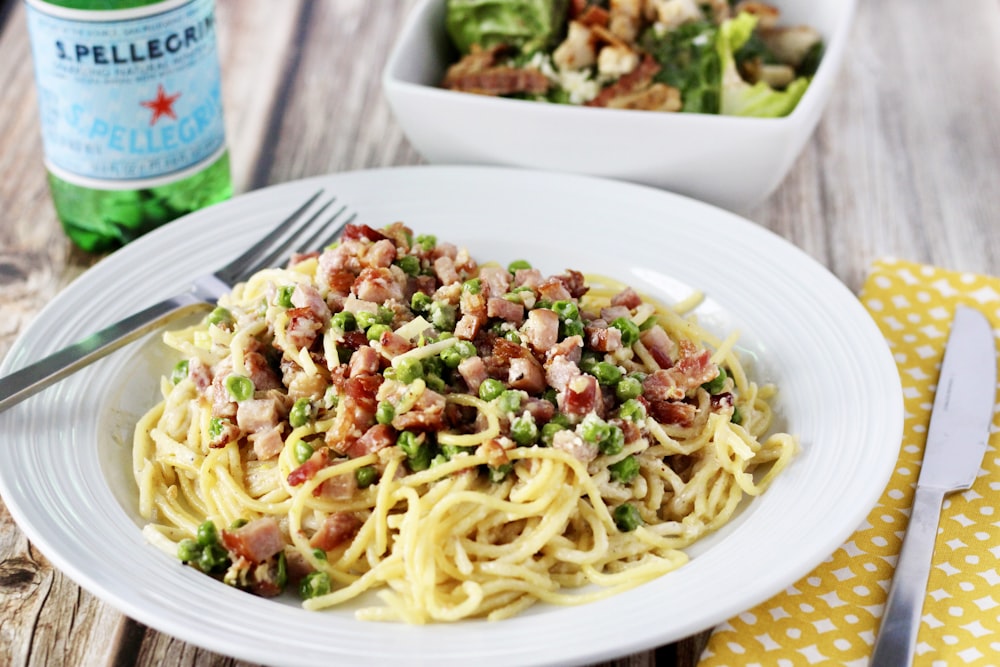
x: 130, y: 103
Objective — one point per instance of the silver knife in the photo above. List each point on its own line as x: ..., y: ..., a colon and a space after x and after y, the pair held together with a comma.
x: 956, y: 441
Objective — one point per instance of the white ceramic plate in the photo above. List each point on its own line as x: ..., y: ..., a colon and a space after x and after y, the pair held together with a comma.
x: 64, y: 460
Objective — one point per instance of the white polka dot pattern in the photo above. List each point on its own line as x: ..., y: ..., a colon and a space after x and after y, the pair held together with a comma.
x: 831, y: 616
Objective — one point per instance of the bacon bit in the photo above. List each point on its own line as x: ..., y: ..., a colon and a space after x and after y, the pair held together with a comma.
x: 364, y: 361
x: 299, y: 257
x: 467, y: 327
x: 354, y: 416
x: 307, y: 296
x: 630, y: 430
x: 582, y: 396
x: 297, y: 566
x: 354, y: 340
x: 200, y: 374
x: 393, y: 344
x: 722, y: 402
x: 303, y: 327
x: 526, y: 374
x: 505, y: 310
x: 267, y: 444
x: 574, y: 282
x: 635, y: 80
x: 444, y: 269
x: 570, y: 347
x: 319, y: 460
x: 376, y: 285
x: 541, y: 329
x: 264, y: 579
x: 628, y: 298
x: 495, y: 279
x: 358, y: 232
x: 659, y: 344
x: 337, y: 281
x: 479, y: 72
x: 604, y: 339
x: 337, y: 528
x: 541, y: 410
x: 256, y: 541
x: 381, y: 254
x: 377, y: 437
x: 672, y: 412
x: 554, y: 289
x: 427, y: 414
x: 473, y: 371
x: 338, y: 487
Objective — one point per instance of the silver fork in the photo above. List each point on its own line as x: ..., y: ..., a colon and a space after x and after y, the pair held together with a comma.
x: 273, y: 249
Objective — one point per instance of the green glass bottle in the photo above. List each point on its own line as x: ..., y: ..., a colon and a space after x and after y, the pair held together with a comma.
x: 130, y: 104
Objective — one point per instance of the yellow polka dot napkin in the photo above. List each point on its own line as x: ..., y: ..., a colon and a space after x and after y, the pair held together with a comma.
x: 831, y: 616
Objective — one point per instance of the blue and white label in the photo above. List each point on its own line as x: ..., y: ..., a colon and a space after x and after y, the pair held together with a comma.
x: 132, y: 97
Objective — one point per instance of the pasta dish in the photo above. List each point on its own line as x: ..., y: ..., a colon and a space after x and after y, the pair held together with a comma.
x: 462, y: 440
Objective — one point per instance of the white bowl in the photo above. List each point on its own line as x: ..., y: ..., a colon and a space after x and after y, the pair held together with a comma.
x: 728, y: 161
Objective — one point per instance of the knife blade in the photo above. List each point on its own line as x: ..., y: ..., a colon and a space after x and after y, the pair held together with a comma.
x: 964, y: 402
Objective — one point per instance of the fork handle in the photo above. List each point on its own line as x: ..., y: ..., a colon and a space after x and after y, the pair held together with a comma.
x: 31, y: 379
x: 897, y: 637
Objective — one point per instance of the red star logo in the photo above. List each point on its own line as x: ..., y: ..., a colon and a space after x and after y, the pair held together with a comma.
x: 162, y: 105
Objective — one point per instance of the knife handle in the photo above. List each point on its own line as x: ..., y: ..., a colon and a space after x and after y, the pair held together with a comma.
x: 897, y: 637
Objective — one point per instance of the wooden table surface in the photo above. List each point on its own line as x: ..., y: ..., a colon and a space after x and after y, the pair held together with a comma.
x: 905, y: 163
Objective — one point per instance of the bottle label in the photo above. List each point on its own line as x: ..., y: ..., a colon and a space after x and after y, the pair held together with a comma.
x: 127, y: 98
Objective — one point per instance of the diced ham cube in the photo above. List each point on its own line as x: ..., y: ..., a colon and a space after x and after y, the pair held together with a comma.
x: 569, y: 442
x: 364, y: 361
x: 526, y: 374
x: 267, y: 444
x: 541, y: 329
x: 505, y: 310
x: 473, y: 371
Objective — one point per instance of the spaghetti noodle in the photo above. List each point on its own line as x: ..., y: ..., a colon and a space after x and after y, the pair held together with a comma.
x: 461, y: 440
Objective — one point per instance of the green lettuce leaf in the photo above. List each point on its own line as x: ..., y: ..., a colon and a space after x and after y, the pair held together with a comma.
x: 740, y: 98
x: 689, y: 61
x: 529, y: 25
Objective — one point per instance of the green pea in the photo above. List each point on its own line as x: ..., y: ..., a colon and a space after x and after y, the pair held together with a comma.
x: 409, y: 370
x: 517, y: 265
x: 365, y: 476
x: 284, y: 296
x: 632, y: 410
x: 319, y: 554
x: 239, y: 387
x: 473, y: 286
x: 490, y: 388
x: 344, y: 321
x: 418, y: 452
x: 188, y: 550
x: 627, y: 517
x: 499, y: 473
x: 384, y: 315
x: 607, y: 373
x: 214, y: 558
x: 630, y: 330
x: 216, y: 425
x: 523, y: 430
x: 626, y: 470
x: 410, y: 265
x: 238, y: 523
x: 330, y: 397
x: 365, y: 319
x: 549, y: 394
x: 593, y: 429
x: 314, y: 585
x: 613, y: 441
x: 648, y: 324
x: 300, y: 413
x: 385, y: 412
x: 442, y: 316
x: 451, y: 451
x: 512, y: 337
x: 303, y: 451
x: 566, y: 310
x: 562, y: 419
x: 207, y: 534
x: 420, y: 303
x: 509, y: 400
x: 220, y: 316
x: 375, y: 331
x: 427, y: 241
x: 571, y: 328
x: 453, y: 356
x: 737, y: 417
x: 717, y: 384
x: 628, y: 387
x: 549, y: 430
x: 180, y: 371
